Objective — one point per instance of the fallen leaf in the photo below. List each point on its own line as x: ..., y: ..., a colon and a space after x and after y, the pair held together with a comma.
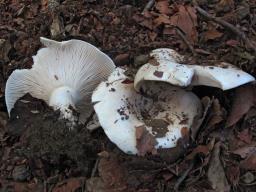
x: 72, y: 184
x: 244, y: 152
x: 186, y: 20
x: 249, y: 163
x: 245, y: 136
x: 7, y: 185
x: 5, y: 47
x: 57, y: 26
x: 95, y: 184
x: 44, y: 4
x: 244, y: 99
x: 233, y: 174
x: 145, y: 141
x: 163, y: 6
x: 112, y: 173
x: 212, y: 33
x: 225, y: 5
x: 161, y: 19
x: 215, y: 173
x: 232, y: 42
x: 203, y: 149
x: 152, y: 35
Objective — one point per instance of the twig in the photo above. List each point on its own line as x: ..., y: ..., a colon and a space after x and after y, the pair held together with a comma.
x: 94, y: 170
x: 184, y: 39
x: 148, y: 6
x: 183, y: 177
x: 226, y: 25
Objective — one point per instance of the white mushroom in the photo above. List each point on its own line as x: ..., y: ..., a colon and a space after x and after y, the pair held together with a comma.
x: 164, y: 67
x: 164, y: 110
x: 167, y: 67
x: 64, y: 74
x: 225, y: 76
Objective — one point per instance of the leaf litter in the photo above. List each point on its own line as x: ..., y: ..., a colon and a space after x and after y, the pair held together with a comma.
x: 219, y: 154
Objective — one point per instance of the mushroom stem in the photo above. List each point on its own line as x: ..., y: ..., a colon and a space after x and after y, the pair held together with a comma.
x: 64, y: 98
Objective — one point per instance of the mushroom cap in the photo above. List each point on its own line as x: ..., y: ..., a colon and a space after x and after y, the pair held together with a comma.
x: 225, y: 76
x: 167, y: 67
x: 164, y: 110
x: 74, y: 64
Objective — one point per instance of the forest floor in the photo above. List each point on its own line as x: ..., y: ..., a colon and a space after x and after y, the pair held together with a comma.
x: 37, y: 152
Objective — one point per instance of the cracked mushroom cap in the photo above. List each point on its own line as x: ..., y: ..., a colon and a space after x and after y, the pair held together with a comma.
x: 164, y: 110
x: 224, y: 76
x: 64, y: 74
x: 166, y: 66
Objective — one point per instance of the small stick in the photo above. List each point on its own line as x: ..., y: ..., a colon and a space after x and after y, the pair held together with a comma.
x: 94, y: 170
x: 183, y: 177
x: 184, y: 39
x: 226, y: 25
x: 149, y: 5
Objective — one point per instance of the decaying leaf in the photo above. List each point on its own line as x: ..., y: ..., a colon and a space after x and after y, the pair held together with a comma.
x: 112, y: 173
x: 163, y: 6
x: 203, y: 149
x: 72, y: 184
x: 244, y: 152
x: 245, y: 136
x: 249, y: 163
x: 5, y: 47
x: 225, y: 5
x: 145, y: 141
x: 244, y: 99
x: 212, y: 33
x: 215, y: 173
x: 186, y: 19
x: 233, y: 174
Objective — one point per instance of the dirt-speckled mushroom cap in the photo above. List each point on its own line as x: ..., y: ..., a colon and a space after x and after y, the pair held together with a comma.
x: 162, y: 109
x: 164, y: 66
x: 167, y: 66
x: 224, y: 76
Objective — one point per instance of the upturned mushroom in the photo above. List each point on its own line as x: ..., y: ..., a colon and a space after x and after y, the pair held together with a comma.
x: 64, y: 74
x: 157, y: 99
x: 162, y: 109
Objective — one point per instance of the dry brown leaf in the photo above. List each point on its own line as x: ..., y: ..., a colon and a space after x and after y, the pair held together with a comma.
x: 217, y: 114
x: 7, y: 185
x: 249, y: 163
x: 204, y: 149
x: 245, y: 136
x: 72, y: 184
x: 215, y: 173
x: 163, y: 6
x: 232, y: 43
x: 233, y: 174
x: 212, y: 33
x: 44, y: 4
x: 225, y: 5
x: 161, y: 19
x: 244, y: 99
x: 186, y: 20
x: 244, y: 152
x: 96, y: 184
x: 112, y: 173
x: 145, y: 141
